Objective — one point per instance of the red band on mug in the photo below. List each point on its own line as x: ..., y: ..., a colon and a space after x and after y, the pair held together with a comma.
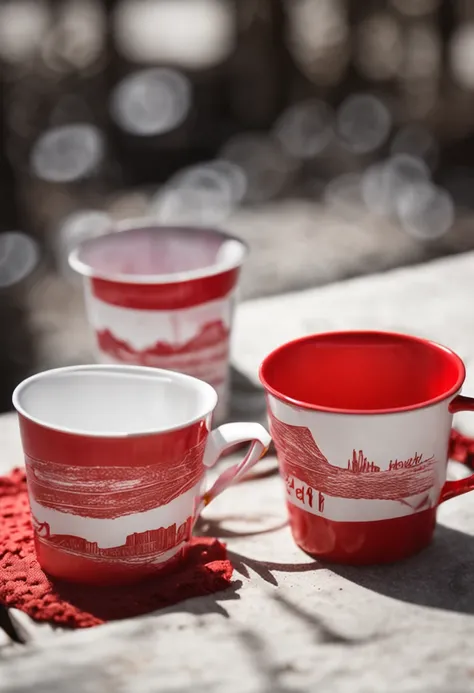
x: 172, y: 296
x: 54, y: 446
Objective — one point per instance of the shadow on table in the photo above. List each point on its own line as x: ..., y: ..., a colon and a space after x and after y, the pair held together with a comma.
x: 205, y: 604
x: 440, y: 577
x: 266, y: 569
x: 247, y: 398
x: 259, y: 646
x: 215, y: 527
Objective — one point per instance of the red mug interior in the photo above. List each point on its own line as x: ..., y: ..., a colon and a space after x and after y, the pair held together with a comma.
x: 362, y: 372
x: 151, y: 253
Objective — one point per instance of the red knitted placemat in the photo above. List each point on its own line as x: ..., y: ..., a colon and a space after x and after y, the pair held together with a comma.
x: 461, y: 448
x: 24, y: 586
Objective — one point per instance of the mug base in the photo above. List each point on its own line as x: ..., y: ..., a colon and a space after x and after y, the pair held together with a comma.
x: 362, y: 543
x: 68, y: 567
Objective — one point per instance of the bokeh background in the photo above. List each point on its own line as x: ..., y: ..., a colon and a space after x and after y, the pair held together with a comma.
x: 335, y: 136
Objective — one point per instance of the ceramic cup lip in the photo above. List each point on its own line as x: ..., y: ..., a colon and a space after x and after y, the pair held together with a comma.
x: 131, y: 226
x: 448, y: 353
x: 209, y: 404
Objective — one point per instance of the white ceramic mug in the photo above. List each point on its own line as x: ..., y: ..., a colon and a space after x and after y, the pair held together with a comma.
x: 164, y: 297
x: 115, y: 460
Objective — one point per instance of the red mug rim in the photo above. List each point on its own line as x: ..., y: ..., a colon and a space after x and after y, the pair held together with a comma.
x: 449, y: 354
x: 129, y: 227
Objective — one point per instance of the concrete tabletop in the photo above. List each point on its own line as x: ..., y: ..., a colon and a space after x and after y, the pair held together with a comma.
x: 289, y: 623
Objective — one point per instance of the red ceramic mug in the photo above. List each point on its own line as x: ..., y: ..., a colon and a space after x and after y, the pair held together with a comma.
x: 115, y: 461
x: 361, y: 424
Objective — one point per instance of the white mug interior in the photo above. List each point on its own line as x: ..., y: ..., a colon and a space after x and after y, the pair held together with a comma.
x: 103, y: 400
x: 158, y: 254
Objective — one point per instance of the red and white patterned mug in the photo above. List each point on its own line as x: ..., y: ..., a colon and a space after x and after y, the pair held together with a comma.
x: 163, y: 297
x: 361, y: 424
x: 115, y: 460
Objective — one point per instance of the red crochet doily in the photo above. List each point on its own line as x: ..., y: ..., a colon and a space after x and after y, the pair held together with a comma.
x: 23, y: 584
x: 461, y: 448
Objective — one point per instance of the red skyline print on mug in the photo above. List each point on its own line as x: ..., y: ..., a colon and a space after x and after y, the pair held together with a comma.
x: 205, y: 355
x: 139, y: 546
x: 194, y: 340
x: 89, y: 512
x: 301, y: 457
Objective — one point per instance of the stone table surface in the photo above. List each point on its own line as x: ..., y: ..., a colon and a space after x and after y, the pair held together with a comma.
x: 289, y: 623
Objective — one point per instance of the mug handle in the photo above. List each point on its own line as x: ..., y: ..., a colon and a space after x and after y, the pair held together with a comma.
x: 451, y: 489
x: 220, y: 440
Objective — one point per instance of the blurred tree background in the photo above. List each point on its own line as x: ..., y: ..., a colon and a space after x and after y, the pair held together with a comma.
x: 335, y: 136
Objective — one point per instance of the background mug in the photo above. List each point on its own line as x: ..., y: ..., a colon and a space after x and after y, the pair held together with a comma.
x: 115, y: 461
x: 361, y: 424
x: 164, y: 297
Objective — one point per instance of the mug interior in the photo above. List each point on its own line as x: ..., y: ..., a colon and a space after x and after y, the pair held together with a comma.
x: 155, y: 253
x: 362, y: 372
x: 113, y: 400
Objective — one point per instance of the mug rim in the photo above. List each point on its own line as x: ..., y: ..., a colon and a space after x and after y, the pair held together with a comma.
x: 449, y: 353
x: 131, y: 226
x: 211, y: 398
